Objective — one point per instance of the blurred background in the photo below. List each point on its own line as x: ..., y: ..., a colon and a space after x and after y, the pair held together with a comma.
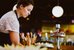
x: 41, y: 17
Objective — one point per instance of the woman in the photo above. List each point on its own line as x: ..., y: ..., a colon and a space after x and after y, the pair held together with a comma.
x: 9, y: 24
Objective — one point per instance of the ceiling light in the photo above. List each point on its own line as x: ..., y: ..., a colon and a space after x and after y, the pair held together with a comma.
x: 57, y: 11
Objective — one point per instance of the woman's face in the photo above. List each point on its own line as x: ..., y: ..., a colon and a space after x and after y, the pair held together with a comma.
x: 25, y: 11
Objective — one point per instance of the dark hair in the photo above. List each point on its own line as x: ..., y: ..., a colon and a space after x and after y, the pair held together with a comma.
x: 24, y: 3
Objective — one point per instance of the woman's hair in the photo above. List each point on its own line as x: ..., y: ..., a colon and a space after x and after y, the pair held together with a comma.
x: 24, y: 3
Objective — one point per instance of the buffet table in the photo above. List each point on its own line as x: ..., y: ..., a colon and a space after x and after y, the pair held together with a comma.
x: 63, y: 47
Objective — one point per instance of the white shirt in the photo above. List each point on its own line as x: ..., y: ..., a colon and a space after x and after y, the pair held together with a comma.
x: 8, y: 22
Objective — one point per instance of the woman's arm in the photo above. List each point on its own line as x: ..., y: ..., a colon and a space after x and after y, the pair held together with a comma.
x: 15, y: 39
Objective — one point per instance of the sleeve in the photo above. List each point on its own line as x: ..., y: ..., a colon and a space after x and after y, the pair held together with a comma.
x: 12, y: 24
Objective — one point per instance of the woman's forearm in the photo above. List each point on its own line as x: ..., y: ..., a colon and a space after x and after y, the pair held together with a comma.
x: 14, y: 37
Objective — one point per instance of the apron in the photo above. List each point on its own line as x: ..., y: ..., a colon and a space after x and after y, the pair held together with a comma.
x: 4, y: 39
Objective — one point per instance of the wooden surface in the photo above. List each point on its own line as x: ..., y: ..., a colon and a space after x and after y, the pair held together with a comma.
x: 62, y: 48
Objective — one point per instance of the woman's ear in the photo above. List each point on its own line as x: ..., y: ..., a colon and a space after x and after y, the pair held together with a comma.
x: 21, y: 6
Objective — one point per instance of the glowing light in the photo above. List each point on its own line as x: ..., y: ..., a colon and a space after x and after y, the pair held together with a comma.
x: 57, y: 11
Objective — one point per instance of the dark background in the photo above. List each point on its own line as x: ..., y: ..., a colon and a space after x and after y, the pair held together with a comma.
x: 42, y: 13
